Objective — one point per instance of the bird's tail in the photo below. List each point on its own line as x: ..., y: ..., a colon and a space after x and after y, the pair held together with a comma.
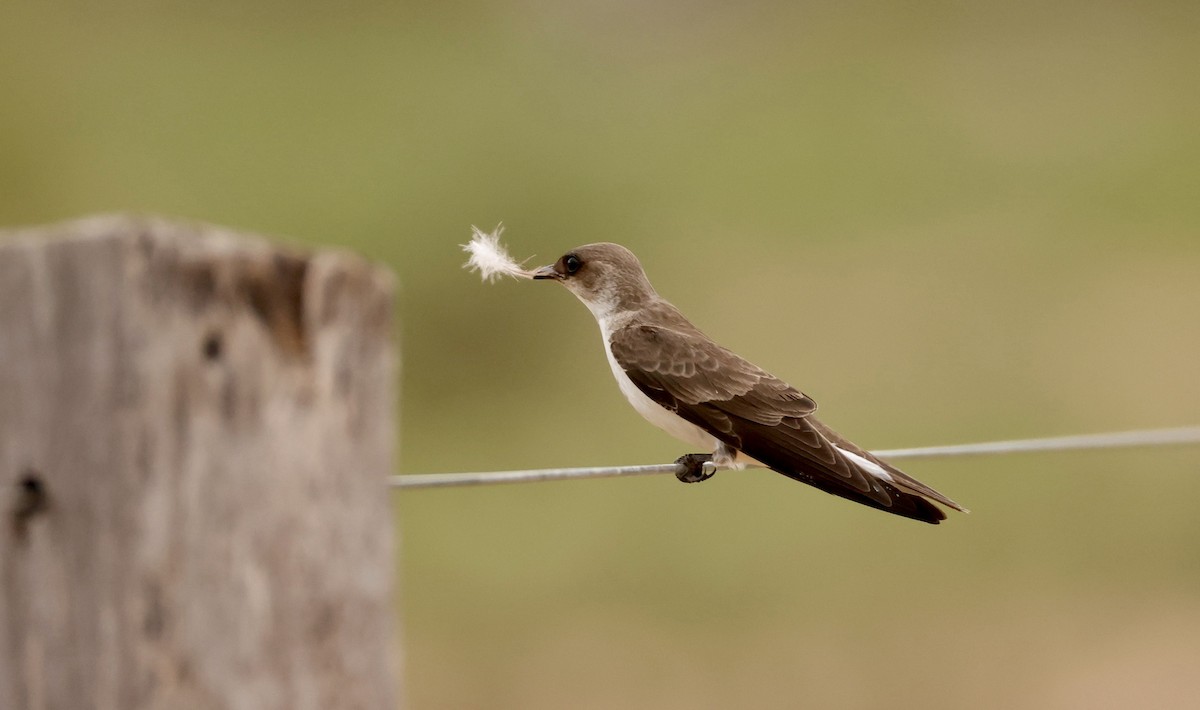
x: 903, y: 484
x: 905, y: 504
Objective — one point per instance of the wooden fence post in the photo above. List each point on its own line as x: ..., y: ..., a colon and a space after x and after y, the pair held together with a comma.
x: 196, y: 429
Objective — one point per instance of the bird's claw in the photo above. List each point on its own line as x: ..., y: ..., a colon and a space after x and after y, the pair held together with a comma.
x: 695, y: 468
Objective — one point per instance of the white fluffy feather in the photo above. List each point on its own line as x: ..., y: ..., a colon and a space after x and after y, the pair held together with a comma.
x: 490, y: 258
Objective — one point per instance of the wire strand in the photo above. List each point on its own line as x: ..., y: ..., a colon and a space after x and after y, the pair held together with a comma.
x: 1120, y: 439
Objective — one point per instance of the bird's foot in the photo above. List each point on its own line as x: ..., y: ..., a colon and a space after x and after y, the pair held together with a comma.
x: 696, y: 468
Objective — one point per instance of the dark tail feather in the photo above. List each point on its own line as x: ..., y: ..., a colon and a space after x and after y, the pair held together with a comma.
x: 903, y: 504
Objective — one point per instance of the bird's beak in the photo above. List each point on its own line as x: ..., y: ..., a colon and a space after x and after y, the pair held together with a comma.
x: 546, y: 272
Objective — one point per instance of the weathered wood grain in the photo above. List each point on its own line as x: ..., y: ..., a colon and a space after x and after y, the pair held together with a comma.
x: 196, y: 429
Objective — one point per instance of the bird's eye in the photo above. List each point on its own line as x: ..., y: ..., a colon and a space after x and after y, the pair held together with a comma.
x: 572, y: 263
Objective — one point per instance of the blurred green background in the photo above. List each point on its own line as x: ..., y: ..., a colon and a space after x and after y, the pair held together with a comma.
x: 945, y: 221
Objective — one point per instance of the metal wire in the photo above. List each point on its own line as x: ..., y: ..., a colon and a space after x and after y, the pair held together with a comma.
x: 1120, y: 439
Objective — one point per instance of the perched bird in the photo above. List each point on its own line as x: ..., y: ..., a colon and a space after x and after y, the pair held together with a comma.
x: 686, y: 384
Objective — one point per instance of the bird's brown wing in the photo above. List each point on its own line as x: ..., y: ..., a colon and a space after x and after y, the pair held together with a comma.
x: 752, y: 411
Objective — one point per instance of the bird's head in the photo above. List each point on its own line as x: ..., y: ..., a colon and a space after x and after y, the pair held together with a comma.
x: 607, y: 277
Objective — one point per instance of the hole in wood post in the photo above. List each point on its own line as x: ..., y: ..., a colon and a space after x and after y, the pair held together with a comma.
x: 31, y: 499
x: 212, y: 346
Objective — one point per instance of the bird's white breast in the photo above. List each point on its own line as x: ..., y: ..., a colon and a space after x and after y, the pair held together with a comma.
x: 652, y: 411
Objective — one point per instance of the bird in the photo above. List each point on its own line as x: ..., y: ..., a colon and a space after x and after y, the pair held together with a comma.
x: 682, y: 381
